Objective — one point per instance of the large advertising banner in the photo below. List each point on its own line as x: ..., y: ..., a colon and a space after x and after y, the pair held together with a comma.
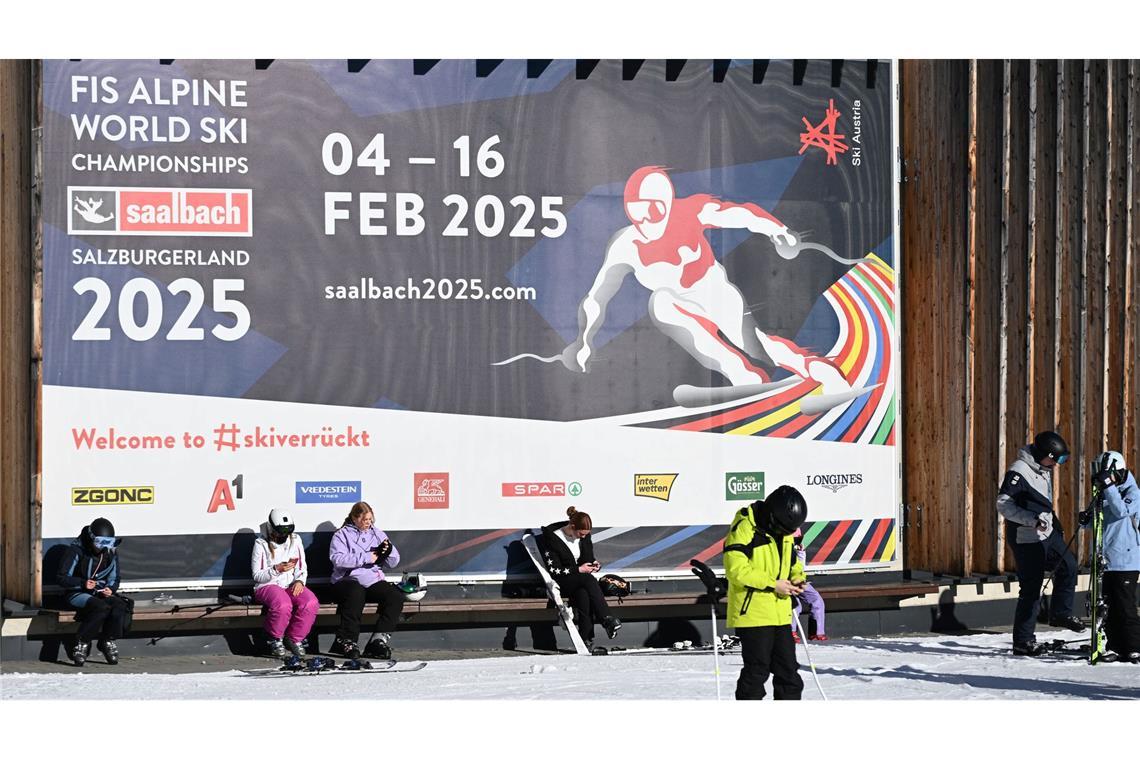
x: 471, y: 297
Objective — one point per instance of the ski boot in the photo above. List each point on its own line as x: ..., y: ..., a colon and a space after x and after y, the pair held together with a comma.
x: 1029, y: 649
x: 345, y: 648
x: 295, y: 647
x: 379, y: 648
x: 79, y: 652
x: 1108, y: 656
x: 276, y: 648
x: 1133, y: 657
x: 1074, y: 624
x: 612, y: 626
x: 110, y: 651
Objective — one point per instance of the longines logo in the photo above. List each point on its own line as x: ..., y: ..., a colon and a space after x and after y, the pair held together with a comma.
x: 835, y: 481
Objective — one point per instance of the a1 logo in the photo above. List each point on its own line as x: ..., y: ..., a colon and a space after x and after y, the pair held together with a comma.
x: 223, y: 496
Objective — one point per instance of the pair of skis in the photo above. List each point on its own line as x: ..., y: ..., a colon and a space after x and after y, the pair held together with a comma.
x: 1095, y: 603
x: 315, y: 666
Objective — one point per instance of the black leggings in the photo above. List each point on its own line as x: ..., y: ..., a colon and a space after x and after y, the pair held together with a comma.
x: 102, y: 617
x: 587, y: 601
x: 351, y: 598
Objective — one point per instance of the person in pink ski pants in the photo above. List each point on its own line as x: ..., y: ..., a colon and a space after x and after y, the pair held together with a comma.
x: 280, y: 572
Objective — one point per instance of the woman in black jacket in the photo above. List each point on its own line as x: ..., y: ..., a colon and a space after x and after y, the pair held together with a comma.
x: 569, y: 555
x: 89, y: 576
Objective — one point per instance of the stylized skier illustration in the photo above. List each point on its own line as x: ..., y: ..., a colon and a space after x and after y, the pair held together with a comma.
x: 692, y: 300
x: 89, y: 210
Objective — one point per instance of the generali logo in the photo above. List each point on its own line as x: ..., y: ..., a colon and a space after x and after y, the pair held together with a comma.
x: 835, y: 481
x: 432, y: 490
x: 160, y: 211
x: 542, y: 488
x: 655, y: 486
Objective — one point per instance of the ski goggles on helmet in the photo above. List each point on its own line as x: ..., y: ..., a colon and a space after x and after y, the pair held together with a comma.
x: 282, y: 530
x: 102, y: 543
x: 1061, y: 459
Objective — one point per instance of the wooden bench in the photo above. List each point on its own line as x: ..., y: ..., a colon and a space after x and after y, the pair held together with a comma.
x: 441, y: 612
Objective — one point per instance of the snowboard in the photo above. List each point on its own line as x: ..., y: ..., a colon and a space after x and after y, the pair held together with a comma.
x: 565, y: 614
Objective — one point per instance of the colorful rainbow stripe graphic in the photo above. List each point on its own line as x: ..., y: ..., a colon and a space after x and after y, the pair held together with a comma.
x: 862, y: 302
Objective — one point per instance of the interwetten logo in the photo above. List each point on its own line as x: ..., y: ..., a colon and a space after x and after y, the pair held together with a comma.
x: 104, y: 495
x: 655, y: 486
x: 160, y: 211
x: 328, y: 492
x: 834, y: 482
x: 432, y: 490
x: 743, y: 486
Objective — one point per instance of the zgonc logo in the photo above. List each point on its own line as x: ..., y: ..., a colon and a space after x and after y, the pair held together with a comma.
x: 160, y: 211
x: 104, y: 495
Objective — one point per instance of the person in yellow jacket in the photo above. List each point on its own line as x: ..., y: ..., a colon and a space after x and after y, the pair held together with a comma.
x: 763, y: 575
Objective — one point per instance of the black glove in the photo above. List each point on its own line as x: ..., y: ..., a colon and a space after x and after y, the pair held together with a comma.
x: 383, y: 550
x: 1085, y: 517
x: 1104, y: 479
x: 1120, y: 476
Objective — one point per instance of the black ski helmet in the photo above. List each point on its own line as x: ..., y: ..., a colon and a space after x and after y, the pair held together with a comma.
x: 100, y: 527
x: 1048, y: 444
x: 782, y: 512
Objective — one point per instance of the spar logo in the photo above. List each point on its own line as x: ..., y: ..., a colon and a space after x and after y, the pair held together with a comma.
x: 542, y: 488
x: 655, y: 486
x: 835, y: 481
x: 327, y: 491
x: 743, y: 486
x: 432, y: 490
x: 112, y: 495
x: 160, y: 211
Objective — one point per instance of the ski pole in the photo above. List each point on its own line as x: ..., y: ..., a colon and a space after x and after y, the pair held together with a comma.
x: 1071, y: 539
x: 803, y: 640
x: 716, y: 650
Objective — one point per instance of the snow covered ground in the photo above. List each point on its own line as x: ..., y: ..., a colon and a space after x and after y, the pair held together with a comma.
x: 905, y: 668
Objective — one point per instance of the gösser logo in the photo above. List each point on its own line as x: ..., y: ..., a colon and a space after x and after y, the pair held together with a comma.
x: 160, y: 211
x: 655, y: 486
x: 542, y: 489
x: 327, y: 491
x: 432, y: 490
x: 112, y: 495
x: 833, y: 482
x: 743, y: 486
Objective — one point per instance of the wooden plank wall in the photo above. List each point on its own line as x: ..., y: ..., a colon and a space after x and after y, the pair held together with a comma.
x: 1039, y: 329
x: 20, y: 573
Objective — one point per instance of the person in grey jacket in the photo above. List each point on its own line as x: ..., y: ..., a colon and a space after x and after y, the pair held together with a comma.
x: 1025, y: 500
x: 1121, y: 542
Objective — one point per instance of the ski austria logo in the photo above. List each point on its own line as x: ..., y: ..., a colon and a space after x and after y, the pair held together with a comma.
x: 542, y: 489
x: 112, y: 495
x: 834, y: 482
x: 327, y: 492
x: 160, y: 211
x: 655, y: 486
x: 743, y: 486
x: 432, y: 490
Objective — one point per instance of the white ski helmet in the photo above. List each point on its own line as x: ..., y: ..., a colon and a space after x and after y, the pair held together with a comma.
x: 280, y: 522
x: 413, y: 586
x: 1109, y: 460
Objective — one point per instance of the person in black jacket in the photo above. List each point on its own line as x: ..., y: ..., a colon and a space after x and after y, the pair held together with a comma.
x: 1025, y: 500
x: 89, y: 576
x: 569, y: 555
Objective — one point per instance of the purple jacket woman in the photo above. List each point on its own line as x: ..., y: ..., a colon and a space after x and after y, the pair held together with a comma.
x: 359, y: 553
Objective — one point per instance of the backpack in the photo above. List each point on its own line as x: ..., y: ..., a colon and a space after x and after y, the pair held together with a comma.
x: 615, y: 585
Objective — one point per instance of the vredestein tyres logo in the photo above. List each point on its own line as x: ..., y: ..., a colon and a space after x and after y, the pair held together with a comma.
x: 654, y: 485
x: 743, y: 486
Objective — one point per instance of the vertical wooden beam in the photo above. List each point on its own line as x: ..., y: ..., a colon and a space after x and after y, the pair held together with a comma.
x: 1042, y: 244
x: 1131, y: 407
x: 1070, y: 184
x: 20, y: 567
x: 983, y: 469
x: 1015, y: 257
x: 1116, y: 215
x: 1093, y: 291
x: 935, y: 123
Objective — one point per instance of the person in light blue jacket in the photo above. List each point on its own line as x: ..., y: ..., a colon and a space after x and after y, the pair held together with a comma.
x: 1121, y: 541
